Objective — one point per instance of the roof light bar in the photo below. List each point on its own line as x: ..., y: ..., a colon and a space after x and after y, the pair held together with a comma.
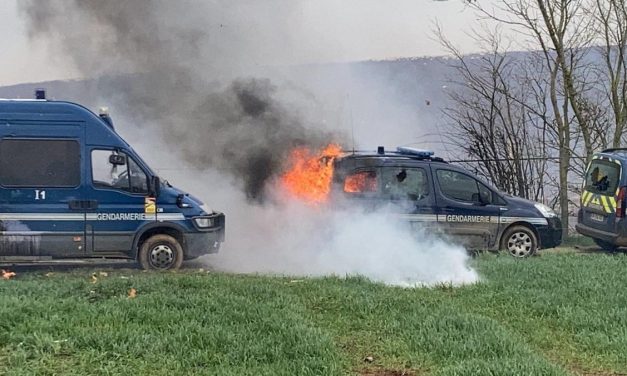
x: 412, y: 151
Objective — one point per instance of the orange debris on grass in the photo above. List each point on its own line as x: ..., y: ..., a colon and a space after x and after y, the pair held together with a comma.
x: 6, y: 274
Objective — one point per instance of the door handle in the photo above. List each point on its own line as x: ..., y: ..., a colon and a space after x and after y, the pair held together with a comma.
x: 424, y: 210
x: 83, y: 204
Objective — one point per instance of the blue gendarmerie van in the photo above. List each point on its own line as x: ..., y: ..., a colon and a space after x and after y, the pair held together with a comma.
x: 72, y: 188
x: 441, y: 197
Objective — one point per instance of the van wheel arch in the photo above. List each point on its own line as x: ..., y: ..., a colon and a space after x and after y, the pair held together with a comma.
x: 524, y: 232
x: 161, y: 252
x: 160, y: 229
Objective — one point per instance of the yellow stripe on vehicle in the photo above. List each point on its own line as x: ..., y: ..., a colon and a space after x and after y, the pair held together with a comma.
x: 588, y: 199
x: 606, y: 205
x: 584, y: 197
x: 613, y: 203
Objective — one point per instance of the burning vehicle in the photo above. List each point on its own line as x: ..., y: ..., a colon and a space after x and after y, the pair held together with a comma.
x: 426, y: 191
x: 71, y: 187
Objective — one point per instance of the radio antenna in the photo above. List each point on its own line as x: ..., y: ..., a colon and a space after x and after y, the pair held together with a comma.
x: 350, y: 114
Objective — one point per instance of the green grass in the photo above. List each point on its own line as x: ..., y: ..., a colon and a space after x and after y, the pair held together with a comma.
x: 576, y: 240
x: 557, y: 314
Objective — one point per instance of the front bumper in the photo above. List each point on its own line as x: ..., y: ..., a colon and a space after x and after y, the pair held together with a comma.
x: 206, y: 240
x: 198, y: 244
x: 550, y: 235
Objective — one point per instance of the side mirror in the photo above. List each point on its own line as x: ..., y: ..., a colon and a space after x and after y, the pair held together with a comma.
x: 481, y: 198
x: 485, y: 197
x: 155, y: 186
x: 117, y: 159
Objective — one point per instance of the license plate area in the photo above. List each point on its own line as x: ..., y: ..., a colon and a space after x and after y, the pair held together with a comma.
x: 597, y: 217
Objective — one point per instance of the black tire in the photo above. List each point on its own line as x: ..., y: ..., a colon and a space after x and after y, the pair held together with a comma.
x: 606, y: 246
x: 519, y: 241
x: 161, y: 252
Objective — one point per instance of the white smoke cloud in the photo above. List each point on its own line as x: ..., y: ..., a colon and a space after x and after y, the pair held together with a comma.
x: 295, y: 239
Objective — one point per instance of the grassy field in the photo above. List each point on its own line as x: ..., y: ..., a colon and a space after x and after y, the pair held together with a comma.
x: 556, y: 314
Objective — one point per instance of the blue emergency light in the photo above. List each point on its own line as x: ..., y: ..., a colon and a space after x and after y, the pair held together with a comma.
x: 413, y: 151
x: 40, y: 94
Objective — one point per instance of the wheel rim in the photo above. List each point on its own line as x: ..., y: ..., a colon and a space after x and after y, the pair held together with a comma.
x: 520, y: 244
x: 161, y: 256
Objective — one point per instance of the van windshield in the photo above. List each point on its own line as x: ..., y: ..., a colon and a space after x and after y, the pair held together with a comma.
x: 602, y: 177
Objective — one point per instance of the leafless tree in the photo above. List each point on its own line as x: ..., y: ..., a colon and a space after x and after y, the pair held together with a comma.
x: 491, y: 122
x: 610, y: 18
x: 560, y: 32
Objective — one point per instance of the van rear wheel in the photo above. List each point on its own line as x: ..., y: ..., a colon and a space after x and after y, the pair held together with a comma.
x: 161, y: 252
x: 519, y: 241
x: 606, y: 246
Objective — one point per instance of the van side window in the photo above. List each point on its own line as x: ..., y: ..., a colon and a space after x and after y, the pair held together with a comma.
x: 400, y: 183
x: 361, y: 182
x: 116, y: 170
x: 458, y: 186
x: 40, y: 163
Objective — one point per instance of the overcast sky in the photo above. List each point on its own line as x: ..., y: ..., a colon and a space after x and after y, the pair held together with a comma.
x: 342, y: 30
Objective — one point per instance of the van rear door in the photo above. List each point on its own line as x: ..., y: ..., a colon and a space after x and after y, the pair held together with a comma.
x: 410, y: 188
x: 40, y: 176
x: 598, y: 199
x: 403, y: 188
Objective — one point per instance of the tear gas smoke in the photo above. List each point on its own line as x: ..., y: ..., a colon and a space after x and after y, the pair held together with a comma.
x: 172, y: 69
x: 313, y: 242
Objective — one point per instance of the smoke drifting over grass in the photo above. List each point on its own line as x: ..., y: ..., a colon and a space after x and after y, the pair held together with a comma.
x: 315, y: 242
x: 174, y: 69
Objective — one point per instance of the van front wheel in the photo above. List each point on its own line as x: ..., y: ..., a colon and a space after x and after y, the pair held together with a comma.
x: 161, y: 252
x: 519, y: 241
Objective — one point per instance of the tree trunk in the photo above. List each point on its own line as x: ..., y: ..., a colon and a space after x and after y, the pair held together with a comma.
x: 564, y: 164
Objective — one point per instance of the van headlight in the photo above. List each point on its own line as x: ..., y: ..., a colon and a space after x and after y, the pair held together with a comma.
x: 206, y: 208
x: 203, y: 222
x: 546, y: 211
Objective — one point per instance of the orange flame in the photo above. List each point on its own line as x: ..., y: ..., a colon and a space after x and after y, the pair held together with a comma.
x: 360, y: 182
x: 310, y: 173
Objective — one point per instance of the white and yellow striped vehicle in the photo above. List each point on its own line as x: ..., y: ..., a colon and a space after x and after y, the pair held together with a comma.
x: 602, y: 213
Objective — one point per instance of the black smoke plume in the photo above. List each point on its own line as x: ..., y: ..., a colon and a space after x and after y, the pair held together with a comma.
x: 169, y: 66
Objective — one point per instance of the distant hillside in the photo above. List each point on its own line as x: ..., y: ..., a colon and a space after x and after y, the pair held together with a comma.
x: 385, y: 102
